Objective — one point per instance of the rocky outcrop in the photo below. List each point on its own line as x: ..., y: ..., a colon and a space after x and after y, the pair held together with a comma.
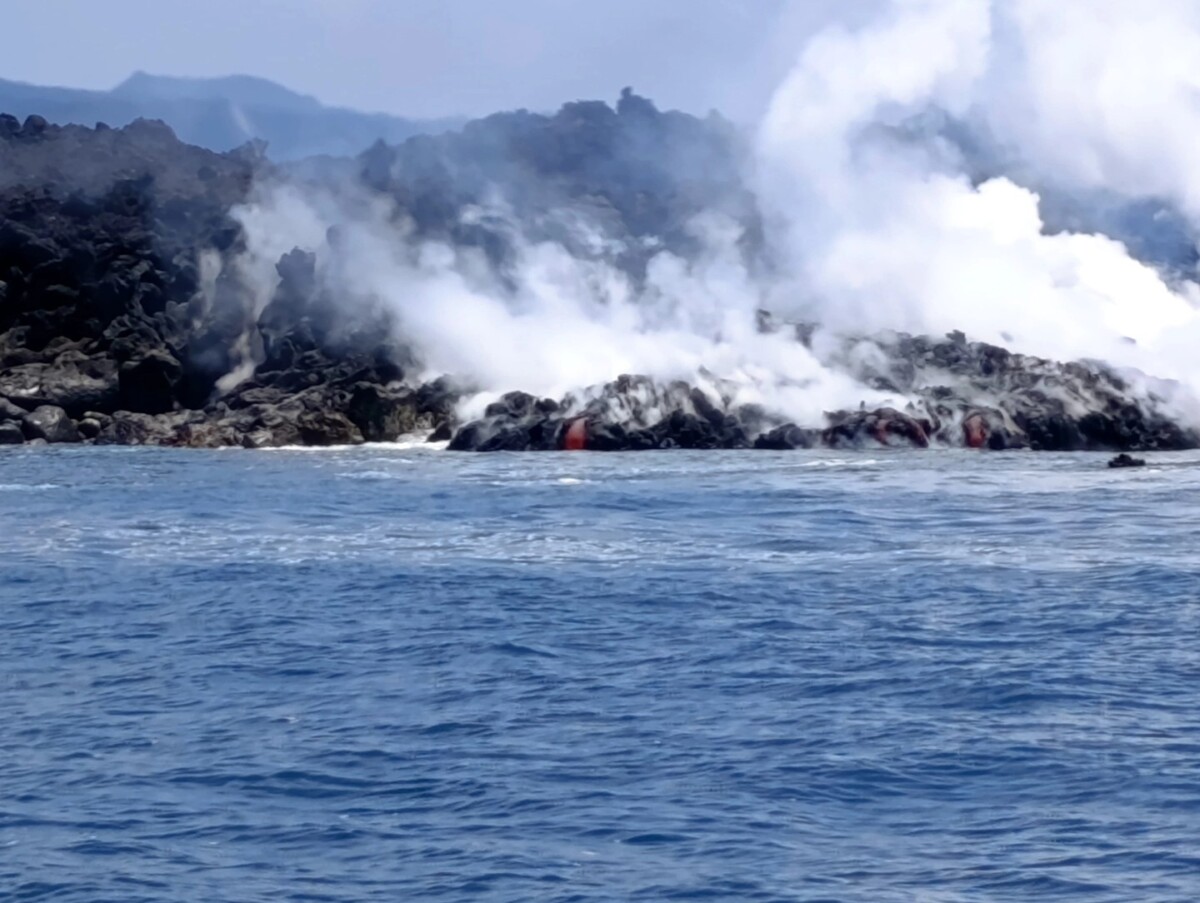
x: 984, y: 396
x: 637, y: 175
x: 70, y: 381
x: 106, y: 313
x: 1124, y: 460
x: 51, y: 424
x: 947, y: 392
x: 101, y: 234
x: 124, y: 321
x: 631, y: 413
x: 110, y: 334
x: 11, y: 433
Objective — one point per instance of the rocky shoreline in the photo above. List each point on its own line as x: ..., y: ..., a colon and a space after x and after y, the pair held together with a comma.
x: 312, y: 399
x: 114, y: 330
x: 955, y: 394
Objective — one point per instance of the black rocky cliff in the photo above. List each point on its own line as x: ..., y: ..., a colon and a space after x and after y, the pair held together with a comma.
x: 123, y: 322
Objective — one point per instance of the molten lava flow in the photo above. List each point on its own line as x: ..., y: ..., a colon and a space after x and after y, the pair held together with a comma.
x: 576, y: 436
x: 975, y: 431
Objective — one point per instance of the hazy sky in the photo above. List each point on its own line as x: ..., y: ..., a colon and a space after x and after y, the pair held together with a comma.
x: 426, y: 57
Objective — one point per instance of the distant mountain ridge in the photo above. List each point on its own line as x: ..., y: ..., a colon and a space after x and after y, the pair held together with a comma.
x: 221, y: 113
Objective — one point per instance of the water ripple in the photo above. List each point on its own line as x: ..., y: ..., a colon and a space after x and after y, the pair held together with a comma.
x: 388, y: 673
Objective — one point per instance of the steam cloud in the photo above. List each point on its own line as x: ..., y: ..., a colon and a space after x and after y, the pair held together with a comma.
x: 873, y: 224
x: 897, y: 235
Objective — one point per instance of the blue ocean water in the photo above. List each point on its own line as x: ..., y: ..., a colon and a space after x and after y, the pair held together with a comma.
x: 398, y: 674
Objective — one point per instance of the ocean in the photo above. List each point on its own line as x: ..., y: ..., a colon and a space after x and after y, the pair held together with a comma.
x: 394, y: 673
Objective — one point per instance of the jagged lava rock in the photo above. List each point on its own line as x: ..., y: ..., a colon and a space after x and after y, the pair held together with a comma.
x: 1124, y: 460
x: 114, y: 326
x: 51, y: 424
x: 11, y: 433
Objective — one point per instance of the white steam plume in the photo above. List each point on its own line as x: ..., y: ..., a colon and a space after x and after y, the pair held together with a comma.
x: 885, y: 234
x: 871, y: 232
x: 562, y: 323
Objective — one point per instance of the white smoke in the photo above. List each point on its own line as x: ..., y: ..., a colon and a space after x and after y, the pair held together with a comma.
x: 872, y: 232
x: 1101, y: 94
x: 556, y: 322
x: 884, y: 235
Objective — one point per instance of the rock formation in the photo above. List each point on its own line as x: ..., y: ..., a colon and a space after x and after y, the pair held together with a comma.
x: 949, y: 392
x: 123, y: 320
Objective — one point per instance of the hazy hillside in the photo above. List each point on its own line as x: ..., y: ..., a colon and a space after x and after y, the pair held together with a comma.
x: 220, y: 113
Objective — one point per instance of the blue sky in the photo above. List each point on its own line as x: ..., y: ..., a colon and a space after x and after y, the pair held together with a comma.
x: 425, y: 57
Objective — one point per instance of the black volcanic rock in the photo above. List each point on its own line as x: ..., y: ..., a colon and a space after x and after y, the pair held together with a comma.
x: 787, y: 438
x: 633, y: 173
x: 52, y: 424
x: 148, y: 383
x: 948, y: 392
x: 630, y: 413
x: 70, y: 381
x: 11, y: 433
x: 104, y: 313
x: 1124, y: 460
x: 382, y: 414
x: 123, y: 319
x: 100, y: 233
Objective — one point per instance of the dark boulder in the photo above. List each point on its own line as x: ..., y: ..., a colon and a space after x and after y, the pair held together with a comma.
x: 129, y: 428
x: 500, y: 432
x: 11, y: 433
x: 35, y: 127
x: 327, y: 428
x: 147, y: 385
x: 788, y: 437
x: 512, y: 438
x: 608, y: 437
x: 10, y: 411
x: 516, y: 405
x: 1050, y: 430
x: 51, y: 424
x: 382, y: 414
x: 438, y: 399
x: 1124, y: 460
x: 72, y: 382
x: 471, y: 436
x: 681, y: 429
